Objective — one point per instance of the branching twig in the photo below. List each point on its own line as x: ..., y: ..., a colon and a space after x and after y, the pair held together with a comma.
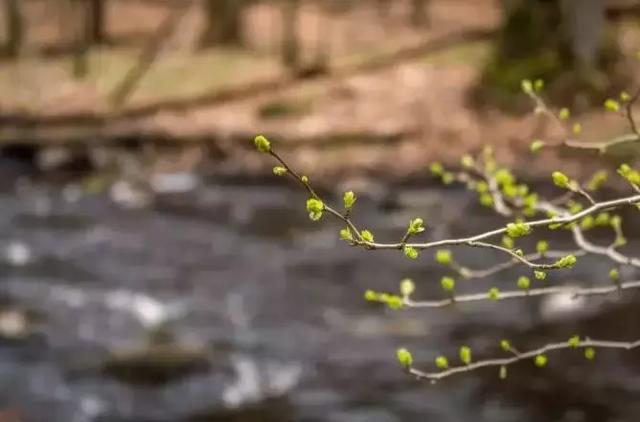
x: 519, y: 294
x: 518, y: 356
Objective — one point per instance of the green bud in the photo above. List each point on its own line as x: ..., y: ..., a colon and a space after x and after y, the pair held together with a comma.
x: 349, y: 199
x: 505, y: 345
x: 524, y: 283
x: 304, y: 179
x: 527, y: 86
x: 504, y: 177
x: 566, y: 261
x: 442, y: 362
x: 436, y: 169
x: 537, y: 145
x: 465, y: 355
x: 486, y: 200
x: 518, y: 229
x: 315, y: 208
x: 625, y: 97
x: 482, y: 187
x: 587, y: 223
x: 560, y: 179
x: 262, y: 144
x: 371, y: 296
x: 345, y: 234
x: 538, y: 85
x: 407, y: 287
x: 394, y: 302
x: 443, y: 256
x: 574, y: 341
x: 539, y: 275
x: 416, y: 226
x: 614, y: 274
x: 540, y: 361
x: 612, y: 105
x: 597, y: 180
x: 503, y: 372
x: 367, y: 236
x: 494, y: 293
x: 590, y: 353
x: 448, y: 284
x: 448, y: 178
x: 279, y: 171
x: 404, y: 358
x: 467, y: 161
x: 564, y: 114
x: 410, y: 252
x: 603, y: 219
x: 577, y: 129
x: 542, y: 247
x: 507, y: 242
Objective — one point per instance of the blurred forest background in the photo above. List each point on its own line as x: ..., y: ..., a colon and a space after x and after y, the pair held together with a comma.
x: 348, y: 84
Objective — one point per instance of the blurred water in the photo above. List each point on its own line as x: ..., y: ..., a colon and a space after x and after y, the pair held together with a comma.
x: 263, y: 311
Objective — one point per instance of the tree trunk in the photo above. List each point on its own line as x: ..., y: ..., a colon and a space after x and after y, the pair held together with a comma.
x: 96, y: 22
x: 419, y: 13
x: 584, y: 22
x: 15, y: 27
x: 224, y: 22
x: 290, y: 41
x: 80, y: 22
x: 555, y: 40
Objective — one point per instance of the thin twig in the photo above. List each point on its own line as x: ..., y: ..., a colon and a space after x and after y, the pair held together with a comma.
x: 603, y: 344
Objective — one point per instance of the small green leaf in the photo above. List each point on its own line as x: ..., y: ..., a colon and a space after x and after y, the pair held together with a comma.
x: 349, y: 199
x: 442, y: 362
x: 416, y: 226
x: 371, y: 296
x: 315, y: 208
x: 574, y: 341
x: 537, y: 145
x: 518, y: 229
x: 262, y: 144
x: 524, y: 283
x: 494, y: 293
x: 540, y: 361
x: 503, y: 372
x: 404, y: 357
x: 279, y: 171
x: 542, y: 247
x: 436, y: 169
x: 564, y: 114
x: 505, y: 345
x: 345, y: 234
x: 614, y: 274
x: 612, y: 105
x: 367, y: 236
x: 590, y: 353
x: 560, y: 179
x: 465, y: 355
x: 407, y: 287
x: 443, y: 256
x: 448, y: 284
x: 410, y: 252
x: 539, y: 275
x: 566, y: 262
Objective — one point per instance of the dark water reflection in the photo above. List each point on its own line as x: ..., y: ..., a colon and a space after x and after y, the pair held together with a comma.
x: 249, y: 285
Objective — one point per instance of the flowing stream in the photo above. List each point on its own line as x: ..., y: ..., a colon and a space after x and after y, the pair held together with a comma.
x: 225, y: 303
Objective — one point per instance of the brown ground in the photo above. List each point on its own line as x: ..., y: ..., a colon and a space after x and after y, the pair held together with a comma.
x: 392, y: 118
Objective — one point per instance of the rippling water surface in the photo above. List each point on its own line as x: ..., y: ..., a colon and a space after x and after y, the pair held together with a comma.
x: 227, y: 304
